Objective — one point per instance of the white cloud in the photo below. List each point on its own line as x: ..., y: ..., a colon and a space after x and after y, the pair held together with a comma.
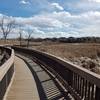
x: 57, y: 6
x: 24, y: 2
x: 36, y: 30
x: 62, y: 23
x: 65, y: 24
x: 42, y: 21
x: 81, y: 6
x: 98, y: 1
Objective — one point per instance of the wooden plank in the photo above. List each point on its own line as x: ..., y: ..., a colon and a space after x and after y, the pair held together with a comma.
x: 23, y: 86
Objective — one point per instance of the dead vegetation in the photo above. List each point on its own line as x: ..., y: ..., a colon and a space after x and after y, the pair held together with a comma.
x: 70, y: 50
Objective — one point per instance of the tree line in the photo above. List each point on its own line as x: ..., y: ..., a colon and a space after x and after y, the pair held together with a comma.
x: 68, y: 40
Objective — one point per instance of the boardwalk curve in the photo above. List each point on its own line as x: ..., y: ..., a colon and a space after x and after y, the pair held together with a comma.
x: 23, y: 86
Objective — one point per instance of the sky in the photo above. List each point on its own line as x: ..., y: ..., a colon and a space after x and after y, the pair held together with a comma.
x: 53, y: 18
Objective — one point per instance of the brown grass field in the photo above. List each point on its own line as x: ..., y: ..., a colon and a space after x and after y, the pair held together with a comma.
x: 70, y: 50
x: 63, y: 50
x: 83, y: 54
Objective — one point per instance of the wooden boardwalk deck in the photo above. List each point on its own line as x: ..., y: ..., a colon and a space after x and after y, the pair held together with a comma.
x: 23, y: 86
x: 47, y: 87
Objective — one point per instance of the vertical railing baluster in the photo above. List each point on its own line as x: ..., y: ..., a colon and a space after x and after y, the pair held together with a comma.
x: 73, y: 80
x: 70, y: 77
x: 81, y: 86
x: 89, y: 86
x: 97, y: 94
x: 78, y: 84
x: 92, y: 92
x: 85, y: 89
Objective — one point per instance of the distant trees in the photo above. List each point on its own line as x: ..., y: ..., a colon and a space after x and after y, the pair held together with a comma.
x: 69, y: 40
x: 6, y: 26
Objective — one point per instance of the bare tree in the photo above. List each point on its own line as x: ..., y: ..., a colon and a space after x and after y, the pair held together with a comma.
x: 6, y: 27
x: 29, y: 37
x: 20, y: 37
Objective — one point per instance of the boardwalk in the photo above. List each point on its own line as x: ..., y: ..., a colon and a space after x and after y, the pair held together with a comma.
x: 47, y: 87
x: 23, y: 86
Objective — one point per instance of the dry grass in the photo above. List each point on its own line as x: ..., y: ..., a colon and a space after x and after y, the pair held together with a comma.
x: 64, y: 50
x: 71, y: 50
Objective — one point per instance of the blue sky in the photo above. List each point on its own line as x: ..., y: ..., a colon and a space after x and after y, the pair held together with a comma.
x: 54, y: 18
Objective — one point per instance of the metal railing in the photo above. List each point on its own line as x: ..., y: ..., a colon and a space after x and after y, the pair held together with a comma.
x: 81, y: 83
x: 6, y: 71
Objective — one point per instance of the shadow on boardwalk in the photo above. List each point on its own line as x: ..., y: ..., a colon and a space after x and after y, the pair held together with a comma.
x: 47, y: 87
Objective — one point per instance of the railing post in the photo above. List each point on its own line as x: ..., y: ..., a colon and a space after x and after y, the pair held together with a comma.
x: 97, y: 94
x: 70, y: 77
